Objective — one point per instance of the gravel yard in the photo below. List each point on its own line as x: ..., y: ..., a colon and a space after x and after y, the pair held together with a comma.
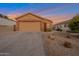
x: 54, y: 43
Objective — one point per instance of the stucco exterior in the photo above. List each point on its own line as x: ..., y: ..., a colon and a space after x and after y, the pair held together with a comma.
x: 29, y: 26
x: 6, y: 24
x: 31, y: 22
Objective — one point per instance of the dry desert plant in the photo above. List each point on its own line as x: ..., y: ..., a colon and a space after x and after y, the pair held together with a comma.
x: 67, y: 44
x: 51, y: 37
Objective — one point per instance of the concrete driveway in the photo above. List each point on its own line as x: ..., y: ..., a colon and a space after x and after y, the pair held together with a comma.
x: 21, y: 44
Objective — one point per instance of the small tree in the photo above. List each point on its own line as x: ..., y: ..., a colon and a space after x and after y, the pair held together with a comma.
x: 74, y: 24
x: 1, y: 15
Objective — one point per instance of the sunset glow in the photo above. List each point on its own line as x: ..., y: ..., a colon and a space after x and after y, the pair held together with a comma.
x: 56, y: 12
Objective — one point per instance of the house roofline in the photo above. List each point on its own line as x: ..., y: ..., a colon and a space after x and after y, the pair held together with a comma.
x: 8, y: 19
x: 61, y: 22
x: 34, y: 15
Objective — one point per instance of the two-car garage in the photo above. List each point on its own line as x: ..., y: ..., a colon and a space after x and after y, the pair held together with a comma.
x: 31, y: 23
x: 29, y: 26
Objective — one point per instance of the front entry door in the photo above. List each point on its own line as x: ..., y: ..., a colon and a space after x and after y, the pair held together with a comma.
x: 44, y: 26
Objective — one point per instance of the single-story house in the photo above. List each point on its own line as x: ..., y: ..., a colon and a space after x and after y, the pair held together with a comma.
x: 32, y: 23
x: 63, y: 26
x: 6, y: 23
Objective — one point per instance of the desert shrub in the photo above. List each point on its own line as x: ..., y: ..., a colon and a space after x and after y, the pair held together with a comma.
x: 49, y: 30
x: 51, y: 37
x: 68, y: 36
x: 58, y: 29
x: 67, y: 44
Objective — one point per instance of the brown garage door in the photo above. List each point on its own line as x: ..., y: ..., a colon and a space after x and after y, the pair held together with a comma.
x: 29, y: 26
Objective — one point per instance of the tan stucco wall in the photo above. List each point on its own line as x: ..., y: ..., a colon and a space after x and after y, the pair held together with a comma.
x: 29, y: 26
x: 33, y: 19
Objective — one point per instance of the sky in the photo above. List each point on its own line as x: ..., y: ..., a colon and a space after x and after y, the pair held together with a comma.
x: 57, y: 12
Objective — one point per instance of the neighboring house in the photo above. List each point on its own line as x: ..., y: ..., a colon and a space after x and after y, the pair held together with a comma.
x: 6, y: 23
x: 32, y: 23
x: 63, y: 26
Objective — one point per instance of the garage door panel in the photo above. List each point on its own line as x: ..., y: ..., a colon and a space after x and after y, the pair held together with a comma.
x: 29, y: 26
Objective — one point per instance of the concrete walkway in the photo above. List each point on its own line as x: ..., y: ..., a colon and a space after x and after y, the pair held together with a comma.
x: 21, y: 44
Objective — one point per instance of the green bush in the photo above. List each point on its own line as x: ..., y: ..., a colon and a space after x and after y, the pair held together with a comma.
x: 74, y: 24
